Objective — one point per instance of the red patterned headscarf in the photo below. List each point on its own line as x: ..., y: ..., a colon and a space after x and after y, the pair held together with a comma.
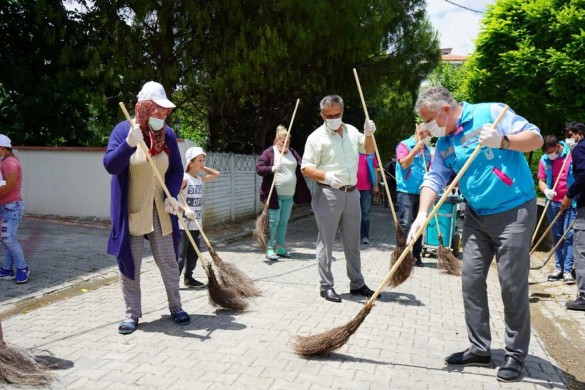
x: 156, y: 139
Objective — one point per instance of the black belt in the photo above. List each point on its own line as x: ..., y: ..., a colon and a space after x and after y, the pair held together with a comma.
x: 342, y: 188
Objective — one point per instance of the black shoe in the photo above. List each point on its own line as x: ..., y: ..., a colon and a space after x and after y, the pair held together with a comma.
x: 331, y: 295
x: 510, y: 370
x: 419, y: 263
x: 363, y: 291
x: 577, y: 304
x: 190, y: 282
x: 180, y: 317
x: 467, y: 358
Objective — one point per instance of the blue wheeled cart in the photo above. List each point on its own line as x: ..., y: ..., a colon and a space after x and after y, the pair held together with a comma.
x: 447, y: 216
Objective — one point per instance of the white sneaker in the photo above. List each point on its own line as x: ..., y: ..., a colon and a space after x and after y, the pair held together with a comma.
x: 365, y: 240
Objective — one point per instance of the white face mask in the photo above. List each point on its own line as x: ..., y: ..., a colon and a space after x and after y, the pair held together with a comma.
x: 552, y: 156
x: 570, y: 142
x: 333, y: 124
x: 427, y: 141
x: 155, y: 123
x: 435, y: 130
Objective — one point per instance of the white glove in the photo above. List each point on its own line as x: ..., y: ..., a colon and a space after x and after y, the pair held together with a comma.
x: 550, y: 194
x: 190, y: 214
x: 416, y: 225
x: 490, y: 137
x: 171, y: 206
x: 276, y: 167
x: 369, y: 127
x: 332, y: 180
x: 134, y: 135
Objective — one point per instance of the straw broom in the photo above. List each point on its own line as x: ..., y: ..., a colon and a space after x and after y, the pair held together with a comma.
x: 445, y: 259
x: 19, y: 366
x: 549, y: 201
x: 219, y: 296
x: 556, y: 246
x: 230, y: 276
x: 261, y: 231
x: 407, y: 266
x: 335, y: 338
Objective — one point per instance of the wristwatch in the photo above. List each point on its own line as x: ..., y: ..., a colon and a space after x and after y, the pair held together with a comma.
x: 505, y: 144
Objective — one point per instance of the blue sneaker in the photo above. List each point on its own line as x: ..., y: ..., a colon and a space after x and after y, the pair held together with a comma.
x: 7, y: 274
x: 22, y: 275
x: 180, y: 317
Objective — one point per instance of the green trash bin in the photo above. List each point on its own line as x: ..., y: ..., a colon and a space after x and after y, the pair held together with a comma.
x: 447, y: 216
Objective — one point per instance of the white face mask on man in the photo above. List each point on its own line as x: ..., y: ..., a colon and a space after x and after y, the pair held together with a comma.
x: 333, y: 124
x: 435, y: 129
x: 155, y: 123
x: 552, y: 156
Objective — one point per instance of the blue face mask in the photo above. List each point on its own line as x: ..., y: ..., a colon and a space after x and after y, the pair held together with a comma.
x: 155, y: 123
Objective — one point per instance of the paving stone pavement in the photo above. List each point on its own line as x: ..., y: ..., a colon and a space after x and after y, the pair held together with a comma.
x: 401, y: 344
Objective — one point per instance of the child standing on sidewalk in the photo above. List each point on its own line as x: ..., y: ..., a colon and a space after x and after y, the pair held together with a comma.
x: 12, y: 209
x: 192, y: 190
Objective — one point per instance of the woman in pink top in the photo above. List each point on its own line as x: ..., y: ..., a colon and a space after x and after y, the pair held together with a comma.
x: 12, y: 207
x: 367, y: 181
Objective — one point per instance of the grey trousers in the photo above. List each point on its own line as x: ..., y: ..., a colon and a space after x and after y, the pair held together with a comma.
x: 579, y: 250
x: 333, y: 209
x: 507, y: 236
x: 164, y: 256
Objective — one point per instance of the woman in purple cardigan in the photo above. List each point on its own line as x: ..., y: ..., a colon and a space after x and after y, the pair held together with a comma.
x: 138, y: 208
x: 290, y: 187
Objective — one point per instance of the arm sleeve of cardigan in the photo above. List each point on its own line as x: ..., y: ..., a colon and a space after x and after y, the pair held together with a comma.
x: 174, y: 176
x: 264, y: 167
x: 118, y: 152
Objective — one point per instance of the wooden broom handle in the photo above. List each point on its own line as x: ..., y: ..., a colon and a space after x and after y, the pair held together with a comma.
x: 282, y: 154
x: 433, y: 212
x: 390, y: 203
x: 547, y: 203
x: 166, y: 190
x: 560, y: 241
x: 436, y: 217
x: 550, y: 226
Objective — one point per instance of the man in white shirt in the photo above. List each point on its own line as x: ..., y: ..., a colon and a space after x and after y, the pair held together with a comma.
x: 331, y: 158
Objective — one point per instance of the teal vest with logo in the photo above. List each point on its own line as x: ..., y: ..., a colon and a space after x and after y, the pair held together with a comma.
x: 548, y: 169
x: 497, y: 180
x: 409, y: 180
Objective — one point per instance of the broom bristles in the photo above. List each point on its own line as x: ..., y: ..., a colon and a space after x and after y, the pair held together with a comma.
x: 261, y: 230
x: 405, y: 268
x: 20, y: 367
x: 223, y: 296
x: 232, y: 278
x: 446, y: 261
x: 331, y: 340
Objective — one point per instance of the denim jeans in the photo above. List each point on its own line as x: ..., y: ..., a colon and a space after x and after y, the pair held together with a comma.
x: 278, y: 221
x: 407, y: 210
x: 365, y: 204
x: 11, y: 215
x: 564, y: 253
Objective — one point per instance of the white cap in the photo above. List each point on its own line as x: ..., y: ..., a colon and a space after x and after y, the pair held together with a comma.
x: 5, y: 141
x: 155, y: 92
x: 193, y: 152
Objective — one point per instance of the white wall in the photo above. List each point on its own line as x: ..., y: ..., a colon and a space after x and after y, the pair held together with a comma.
x: 72, y: 182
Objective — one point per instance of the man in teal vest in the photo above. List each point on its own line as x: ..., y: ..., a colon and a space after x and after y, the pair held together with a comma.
x: 499, y: 220
x: 412, y: 154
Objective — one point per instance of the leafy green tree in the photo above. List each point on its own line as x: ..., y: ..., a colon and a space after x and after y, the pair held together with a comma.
x: 531, y: 56
x: 43, y: 98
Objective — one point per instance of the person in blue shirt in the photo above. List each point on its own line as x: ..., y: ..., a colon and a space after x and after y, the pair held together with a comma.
x: 413, y: 157
x: 499, y: 220
x: 577, y: 129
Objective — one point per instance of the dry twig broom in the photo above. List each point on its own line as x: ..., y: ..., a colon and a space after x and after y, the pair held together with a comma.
x: 445, y: 259
x: 333, y: 339
x: 408, y: 265
x: 548, y: 202
x: 556, y: 246
x: 229, y: 274
x: 219, y: 296
x: 20, y: 367
x: 261, y: 231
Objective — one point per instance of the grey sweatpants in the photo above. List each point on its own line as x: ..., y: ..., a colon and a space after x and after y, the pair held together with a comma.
x: 507, y: 236
x: 579, y: 250
x: 165, y: 258
x: 333, y: 209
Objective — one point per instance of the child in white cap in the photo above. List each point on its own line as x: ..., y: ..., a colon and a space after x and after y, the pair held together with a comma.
x: 192, y: 190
